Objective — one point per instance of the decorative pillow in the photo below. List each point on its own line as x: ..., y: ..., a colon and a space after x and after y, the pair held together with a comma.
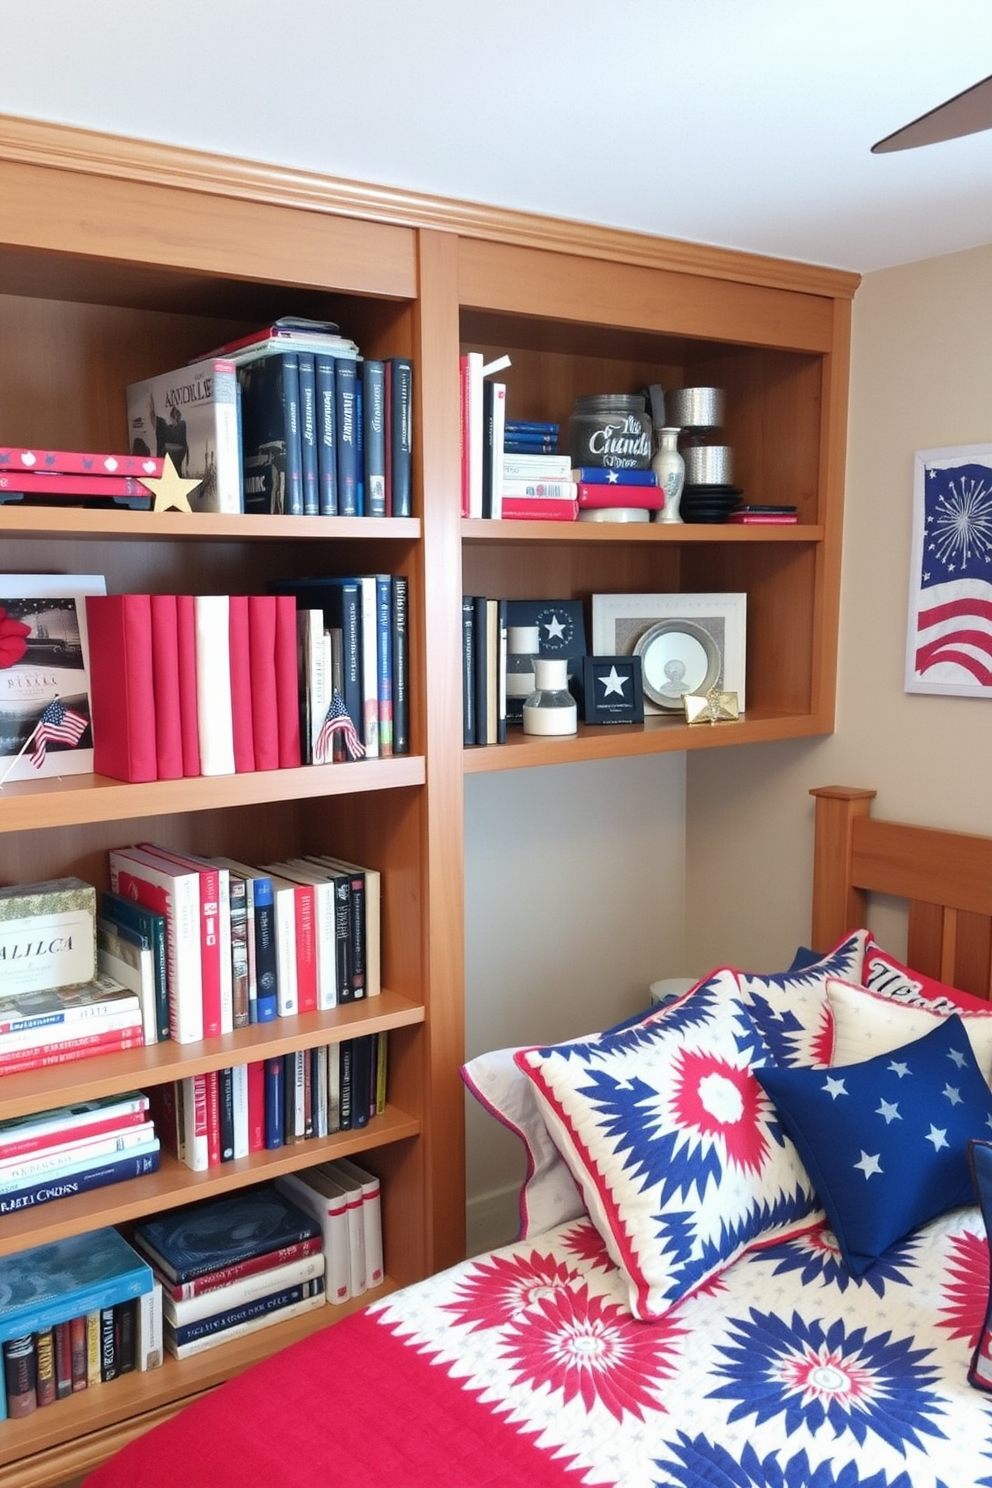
x: 681, y: 1160
x: 884, y: 974
x: 791, y: 1011
x: 885, y: 1142
x: 866, y: 1024
x: 980, y: 1163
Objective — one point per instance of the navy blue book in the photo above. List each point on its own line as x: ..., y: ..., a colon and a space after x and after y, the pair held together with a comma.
x: 244, y: 1312
x: 341, y: 601
x: 186, y: 1243
x: 401, y: 666
x: 598, y: 475
x: 327, y: 455
x: 361, y: 1079
x: 480, y: 634
x: 150, y: 925
x: 468, y: 670
x: 531, y: 426
x: 225, y: 1103
x: 346, y: 428
x: 308, y: 434
x: 117, y: 1170
x: 346, y: 1050
x: 374, y: 436
x: 275, y: 1102
x: 359, y: 446
x: 272, y: 454
x: 399, y: 372
x: 262, y: 939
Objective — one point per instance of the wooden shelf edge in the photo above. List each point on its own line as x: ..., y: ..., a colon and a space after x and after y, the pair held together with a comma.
x: 144, y: 526
x: 76, y: 800
x: 478, y: 530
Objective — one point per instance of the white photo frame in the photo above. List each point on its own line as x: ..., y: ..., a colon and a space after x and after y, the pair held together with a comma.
x: 949, y: 630
x: 620, y: 621
x: 54, y: 665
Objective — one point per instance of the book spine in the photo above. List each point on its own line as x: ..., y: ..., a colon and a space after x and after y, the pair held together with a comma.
x: 401, y: 437
x: 347, y: 438
x: 290, y: 368
x: 343, y: 936
x: 126, y: 1335
x: 132, y: 916
x: 480, y: 631
x: 214, y: 707
x: 108, y: 1345
x: 72, y: 1156
x: 43, y: 1137
x: 45, y: 1347
x: 57, y: 484
x: 308, y: 434
x: 370, y: 664
x: 225, y: 1276
x: 176, y: 895
x: 256, y: 1105
x: 327, y: 458
x: 20, y: 1375
x: 260, y: 1283
x: 262, y: 661
x: 650, y: 497
x: 287, y: 684
x: 195, y: 1116
x: 501, y: 671
x: 239, y: 656
x: 266, y: 957
x: 384, y: 657
x: 225, y: 1106
x: 549, y: 490
x: 212, y: 1093
x: 93, y: 1347
x: 19, y: 1062
x: 284, y: 901
x: 596, y: 475
x: 469, y: 736
x: 165, y: 681
x: 274, y: 1098
x: 401, y: 664
x: 79, y: 462
x: 186, y: 648
x: 99, y: 1016
x: 122, y: 689
x: 130, y: 1166
x: 374, y: 436
x: 238, y: 921
x: 240, y: 1330
x: 306, y: 947
x: 149, y: 1342
x: 239, y: 1102
x: 245, y: 1312
x: 536, y: 509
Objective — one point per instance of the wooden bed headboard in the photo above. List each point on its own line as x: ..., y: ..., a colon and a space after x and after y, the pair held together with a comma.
x: 945, y: 877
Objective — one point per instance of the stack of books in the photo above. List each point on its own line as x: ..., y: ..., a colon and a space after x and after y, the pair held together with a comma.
x: 537, y: 487
x: 68, y: 1150
x: 345, y: 1200
x: 597, y: 488
x: 530, y: 437
x: 223, y: 1115
x: 231, y: 1266
x: 73, y: 1314
x: 246, y: 943
x: 76, y: 477
x: 185, y: 685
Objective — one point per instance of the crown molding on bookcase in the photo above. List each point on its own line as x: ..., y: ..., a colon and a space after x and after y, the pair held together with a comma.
x: 88, y: 152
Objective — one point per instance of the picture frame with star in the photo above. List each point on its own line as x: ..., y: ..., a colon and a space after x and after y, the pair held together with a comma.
x: 612, y: 689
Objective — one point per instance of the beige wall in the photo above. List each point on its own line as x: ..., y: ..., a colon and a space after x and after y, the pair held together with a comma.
x: 921, y: 379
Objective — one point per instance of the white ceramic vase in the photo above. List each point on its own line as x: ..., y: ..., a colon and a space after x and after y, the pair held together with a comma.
x: 669, y: 468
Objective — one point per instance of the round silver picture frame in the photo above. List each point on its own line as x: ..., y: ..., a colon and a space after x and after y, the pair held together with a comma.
x: 676, y: 657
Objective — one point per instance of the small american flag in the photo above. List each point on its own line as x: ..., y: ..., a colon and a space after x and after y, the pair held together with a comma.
x: 337, y: 721
x: 57, y: 725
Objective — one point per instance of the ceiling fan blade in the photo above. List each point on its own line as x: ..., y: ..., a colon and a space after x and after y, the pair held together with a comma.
x: 966, y: 113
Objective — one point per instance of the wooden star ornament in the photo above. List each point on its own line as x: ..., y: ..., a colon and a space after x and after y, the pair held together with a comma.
x: 710, y: 707
x: 170, y: 489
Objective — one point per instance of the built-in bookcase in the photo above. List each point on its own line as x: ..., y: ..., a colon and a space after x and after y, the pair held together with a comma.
x: 118, y: 260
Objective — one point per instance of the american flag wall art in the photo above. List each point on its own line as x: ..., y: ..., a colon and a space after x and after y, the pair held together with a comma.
x: 949, y: 640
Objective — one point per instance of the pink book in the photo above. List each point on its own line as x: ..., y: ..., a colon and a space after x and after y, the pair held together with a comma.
x: 122, y: 691
x: 256, y: 1105
x: 165, y: 679
x: 240, y: 655
x: 262, y: 661
x: 287, y: 682
x: 186, y: 641
x: 78, y: 462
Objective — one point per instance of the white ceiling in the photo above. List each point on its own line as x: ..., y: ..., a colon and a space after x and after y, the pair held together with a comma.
x: 745, y: 123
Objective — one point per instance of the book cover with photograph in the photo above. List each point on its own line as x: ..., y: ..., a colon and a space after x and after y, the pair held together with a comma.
x: 45, y: 708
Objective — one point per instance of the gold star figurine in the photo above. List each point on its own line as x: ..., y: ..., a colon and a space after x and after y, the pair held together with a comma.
x: 711, y: 707
x: 170, y: 489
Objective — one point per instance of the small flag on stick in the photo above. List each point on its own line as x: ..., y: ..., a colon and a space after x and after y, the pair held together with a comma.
x: 57, y: 725
x: 337, y: 721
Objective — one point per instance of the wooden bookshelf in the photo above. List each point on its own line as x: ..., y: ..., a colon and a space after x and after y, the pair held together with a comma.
x: 119, y: 259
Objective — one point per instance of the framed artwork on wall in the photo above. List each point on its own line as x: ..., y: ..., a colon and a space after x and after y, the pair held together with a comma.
x: 688, y: 643
x: 949, y: 635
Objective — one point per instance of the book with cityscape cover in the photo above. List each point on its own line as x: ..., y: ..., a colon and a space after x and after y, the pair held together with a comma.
x: 191, y: 415
x: 186, y: 1243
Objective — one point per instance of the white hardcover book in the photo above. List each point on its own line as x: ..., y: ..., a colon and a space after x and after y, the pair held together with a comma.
x: 214, y: 715
x: 328, y: 1182
x: 371, y: 1214
x: 370, y: 666
x: 284, y: 901
x: 244, y: 1289
x: 191, y: 415
x: 473, y: 431
x: 192, y: 1095
x: 73, y: 1156
x: 134, y: 967
x: 496, y: 454
x: 64, y: 1120
x: 140, y: 875
x: 301, y: 870
x: 239, y: 1080
x: 150, y: 1351
x: 314, y: 683
x: 330, y: 1209
x: 241, y: 1330
x: 319, y: 1068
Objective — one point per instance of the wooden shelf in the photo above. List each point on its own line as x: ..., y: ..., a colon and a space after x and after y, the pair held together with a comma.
x: 478, y: 531
x: 170, y: 526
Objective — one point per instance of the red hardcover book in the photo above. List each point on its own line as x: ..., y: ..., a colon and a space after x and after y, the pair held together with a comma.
x: 122, y: 689
x: 213, y: 1119
x: 306, y: 948
x: 539, y: 509
x: 759, y: 519
x: 78, y: 462
x: 651, y: 497
x: 262, y: 661
x: 71, y: 487
x: 165, y: 677
x: 287, y: 682
x: 24, y: 1145
x: 256, y: 1106
x: 215, y: 944
x: 241, y: 713
x: 186, y: 646
x: 253, y: 1266
x: 85, y: 1047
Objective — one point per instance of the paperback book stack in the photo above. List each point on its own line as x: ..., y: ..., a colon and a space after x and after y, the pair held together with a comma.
x: 603, y: 493
x: 325, y: 431
x: 73, y: 1314
x: 38, y: 477
x: 218, y: 684
x: 345, y: 1200
x: 232, y: 1266
x: 223, y: 1115
x: 68, y: 1150
x: 538, y: 487
x: 249, y: 943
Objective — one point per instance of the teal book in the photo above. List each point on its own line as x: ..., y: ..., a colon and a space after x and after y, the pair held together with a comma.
x: 49, y: 1284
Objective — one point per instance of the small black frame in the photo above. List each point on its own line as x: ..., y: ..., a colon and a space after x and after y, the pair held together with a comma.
x: 613, y: 689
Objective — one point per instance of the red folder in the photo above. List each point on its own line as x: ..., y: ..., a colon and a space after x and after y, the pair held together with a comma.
x: 287, y: 682
x: 122, y: 692
x: 241, y: 714
x: 262, y: 662
x: 165, y: 678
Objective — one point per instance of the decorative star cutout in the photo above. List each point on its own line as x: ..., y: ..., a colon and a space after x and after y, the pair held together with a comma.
x: 869, y: 1164
x: 712, y: 707
x: 937, y: 1137
x: 898, y: 1068
x: 834, y: 1087
x: 555, y: 628
x: 170, y: 489
x: 953, y: 1094
x: 613, y: 683
x: 889, y: 1110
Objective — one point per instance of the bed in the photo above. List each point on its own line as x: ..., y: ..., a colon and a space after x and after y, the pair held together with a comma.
x: 686, y: 1306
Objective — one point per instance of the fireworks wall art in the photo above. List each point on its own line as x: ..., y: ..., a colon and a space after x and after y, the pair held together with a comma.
x: 949, y: 639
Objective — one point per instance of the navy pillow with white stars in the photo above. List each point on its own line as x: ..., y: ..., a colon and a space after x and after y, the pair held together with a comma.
x: 885, y: 1143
